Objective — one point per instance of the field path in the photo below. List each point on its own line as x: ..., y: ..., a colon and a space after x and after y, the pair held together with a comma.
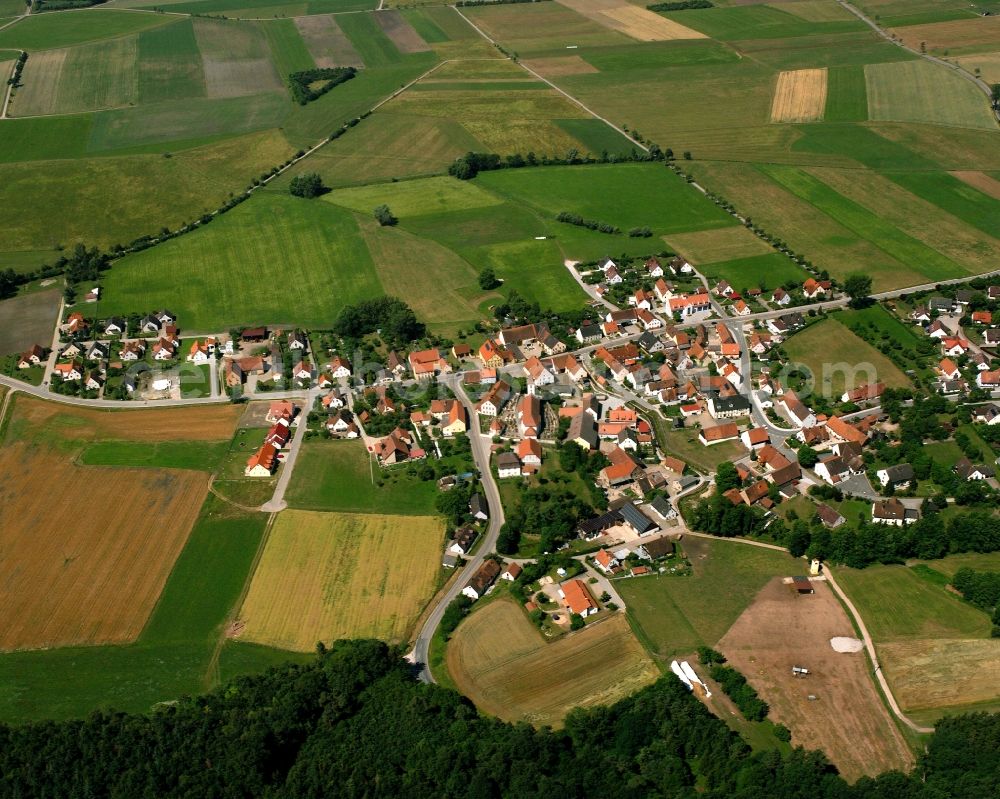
x: 983, y: 86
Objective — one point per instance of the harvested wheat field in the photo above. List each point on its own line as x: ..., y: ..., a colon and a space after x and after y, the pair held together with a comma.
x: 988, y: 65
x: 86, y: 551
x: 847, y: 721
x: 401, y: 32
x: 325, y: 576
x: 327, y: 43
x: 504, y: 665
x: 980, y: 180
x: 977, y: 32
x: 635, y: 21
x: 930, y: 676
x: 50, y: 421
x: 799, y: 96
x: 560, y: 66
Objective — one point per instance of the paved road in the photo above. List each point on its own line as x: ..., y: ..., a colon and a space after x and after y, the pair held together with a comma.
x: 277, y: 501
x: 481, y: 454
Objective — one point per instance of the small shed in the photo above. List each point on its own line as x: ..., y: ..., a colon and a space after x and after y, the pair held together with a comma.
x: 801, y: 585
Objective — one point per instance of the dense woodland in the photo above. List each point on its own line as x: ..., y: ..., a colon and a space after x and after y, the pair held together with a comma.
x: 355, y: 723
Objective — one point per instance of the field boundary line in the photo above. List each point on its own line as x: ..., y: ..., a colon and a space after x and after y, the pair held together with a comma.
x: 855, y: 618
x: 551, y: 85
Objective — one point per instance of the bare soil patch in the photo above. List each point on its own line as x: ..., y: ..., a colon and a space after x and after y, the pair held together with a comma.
x: 978, y: 32
x: 401, y: 32
x: 980, y: 180
x: 634, y: 21
x: 240, y: 78
x: 327, y: 43
x: 847, y: 720
x: 28, y: 319
x: 799, y: 96
x: 560, y: 66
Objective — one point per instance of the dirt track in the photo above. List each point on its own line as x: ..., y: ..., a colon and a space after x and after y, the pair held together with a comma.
x: 847, y: 720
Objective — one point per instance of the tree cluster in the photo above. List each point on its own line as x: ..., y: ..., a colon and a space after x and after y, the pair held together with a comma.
x: 552, y: 512
x: 681, y: 5
x: 384, y: 216
x: 354, y: 723
x: 570, y: 218
x: 393, y: 317
x: 15, y: 77
x: 467, y: 166
x: 312, y: 84
x: 308, y: 186
x: 982, y: 589
x: 740, y: 691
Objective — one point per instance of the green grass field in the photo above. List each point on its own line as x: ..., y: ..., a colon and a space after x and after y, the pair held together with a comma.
x: 674, y: 615
x: 955, y: 197
x: 846, y: 95
x: 197, y: 455
x: 288, y: 51
x: 415, y: 197
x: 771, y: 270
x: 48, y: 31
x: 626, y: 195
x: 174, y: 653
x: 839, y: 360
x: 275, y: 259
x: 338, y: 476
x: 919, y: 91
x: 170, y: 64
x: 759, y: 22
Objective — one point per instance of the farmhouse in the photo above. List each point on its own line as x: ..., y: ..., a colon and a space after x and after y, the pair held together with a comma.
x: 728, y: 407
x: 427, y: 363
x: 511, y: 572
x: 494, y: 399
x: 397, y: 448
x: 577, y: 598
x: 484, y: 577
x: 796, y: 410
x: 637, y: 520
x: 864, y: 393
x: 721, y: 432
x: 254, y: 335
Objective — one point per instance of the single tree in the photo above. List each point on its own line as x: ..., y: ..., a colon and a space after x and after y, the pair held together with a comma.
x: 858, y: 286
x: 384, y: 216
x: 488, y: 279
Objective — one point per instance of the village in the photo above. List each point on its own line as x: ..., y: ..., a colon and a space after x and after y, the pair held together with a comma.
x: 665, y: 365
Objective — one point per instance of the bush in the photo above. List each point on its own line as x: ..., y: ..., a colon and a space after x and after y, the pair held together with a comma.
x: 782, y: 733
x: 454, y: 613
x: 384, y: 216
x: 576, y: 621
x: 709, y: 657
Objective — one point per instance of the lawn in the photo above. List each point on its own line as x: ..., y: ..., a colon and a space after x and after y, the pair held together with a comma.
x: 501, y: 662
x: 769, y: 271
x: 724, y: 244
x: 674, y: 615
x: 685, y: 445
x: 339, y: 476
x: 275, y: 259
x: 919, y: 91
x: 955, y: 197
x: 174, y: 653
x: 199, y: 455
x: 838, y: 360
x: 170, y: 64
x: 325, y: 576
x: 415, y: 197
x: 626, y: 195
x: 28, y: 319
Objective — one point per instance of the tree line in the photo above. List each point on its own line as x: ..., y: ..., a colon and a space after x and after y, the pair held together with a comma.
x: 681, y: 5
x: 303, y: 84
x: 355, y: 723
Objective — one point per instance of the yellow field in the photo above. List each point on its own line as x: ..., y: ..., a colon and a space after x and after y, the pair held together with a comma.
x: 713, y: 246
x: 325, y: 576
x: 942, y: 673
x: 799, y: 96
x: 987, y: 63
x: 504, y: 665
x: 633, y: 21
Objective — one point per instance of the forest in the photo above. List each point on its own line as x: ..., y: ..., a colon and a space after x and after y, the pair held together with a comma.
x: 355, y: 722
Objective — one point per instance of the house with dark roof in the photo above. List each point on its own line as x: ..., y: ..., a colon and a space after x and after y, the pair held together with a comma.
x: 898, y: 476
x: 828, y: 516
x: 637, y: 520
x: 484, y: 577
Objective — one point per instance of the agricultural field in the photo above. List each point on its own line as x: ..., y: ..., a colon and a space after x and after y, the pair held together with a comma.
x: 953, y: 37
x: 800, y: 96
x: 325, y: 576
x: 636, y: 23
x: 90, y: 572
x: 935, y: 649
x: 781, y: 629
x: 839, y: 360
x: 502, y: 663
x: 713, y: 246
x: 919, y: 91
x: 757, y: 271
x: 28, y: 319
x: 674, y: 615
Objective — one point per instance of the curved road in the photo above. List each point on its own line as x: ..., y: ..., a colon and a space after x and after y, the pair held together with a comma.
x: 481, y: 454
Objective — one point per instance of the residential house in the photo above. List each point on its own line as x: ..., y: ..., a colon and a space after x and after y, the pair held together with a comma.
x: 427, y: 363
x: 605, y: 561
x: 986, y: 414
x: 115, y: 326
x: 68, y: 371
x: 654, y: 268
x: 755, y: 438
x: 781, y: 297
x: 833, y: 469
x: 740, y: 308
x: 493, y: 401
x: 337, y: 368
x: 397, y: 447
x: 484, y: 577
x: 263, y: 463
x: 529, y: 453
x: 988, y: 379
x: 954, y: 346
x: 828, y: 516
x: 455, y: 424
x: 939, y: 330
x: 728, y: 407
x: 92, y: 380
x: 508, y: 465
x: 537, y: 375
x: 341, y: 423
x: 812, y: 288
x: 35, y: 356
x: 982, y: 317
x: 796, y: 410
x: 131, y: 350
x: 723, y: 289
x: 587, y: 333
x: 76, y: 324
x: 463, y: 541
x: 891, y: 511
x: 583, y: 430
x: 967, y: 470
x: 98, y: 351
x: 163, y: 350
x: 298, y: 341
x: 611, y: 274
x: 479, y: 508
x: 511, y: 571
x: 578, y: 599
x: 461, y: 351
x: 898, y: 476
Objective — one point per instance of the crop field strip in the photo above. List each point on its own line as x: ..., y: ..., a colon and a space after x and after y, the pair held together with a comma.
x: 958, y: 37
x: 328, y: 576
x: 52, y: 31
x: 510, y: 671
x: 235, y: 59
x: 635, y: 22
x: 800, y: 96
x: 401, y: 32
x: 327, y: 43
x: 919, y: 91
